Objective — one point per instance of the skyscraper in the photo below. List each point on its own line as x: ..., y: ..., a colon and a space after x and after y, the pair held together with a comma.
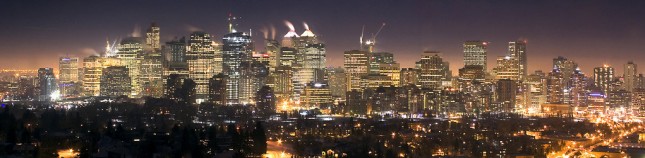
x: 356, y: 65
x: 517, y: 50
x: 554, y: 87
x: 115, y: 81
x: 217, y: 89
x: 433, y: 70
x: 507, y: 68
x: 152, y: 37
x: 47, y: 84
x: 130, y: 52
x: 68, y: 74
x: 237, y: 50
x: 603, y: 78
x: 200, y: 57
x: 92, y: 72
x: 629, y: 75
x: 475, y: 54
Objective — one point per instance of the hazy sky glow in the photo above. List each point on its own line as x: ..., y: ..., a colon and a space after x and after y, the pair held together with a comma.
x: 35, y: 33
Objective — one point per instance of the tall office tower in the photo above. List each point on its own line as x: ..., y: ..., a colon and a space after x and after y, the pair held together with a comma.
x: 283, y: 85
x: 237, y: 50
x: 200, y: 56
x: 537, y: 90
x: 629, y: 76
x: 253, y: 76
x: 576, y: 92
x: 337, y: 80
x: 433, y: 70
x: 152, y: 37
x: 554, y: 87
x: 180, y: 88
x: 313, y: 63
x: 92, y: 72
x: 393, y: 73
x: 130, y: 52
x: 639, y: 81
x: 115, y: 81
x: 265, y: 101
x: 68, y: 77
x: 217, y: 89
x: 506, y: 92
x: 409, y: 76
x: 174, y: 53
x: 273, y: 50
x: 475, y: 54
x: 356, y: 65
x: 151, y: 75
x: 507, y: 68
x: 638, y: 102
x: 566, y: 67
x: 317, y: 95
x: 376, y: 59
x: 619, y: 98
x: 287, y: 57
x: 472, y: 73
x: 603, y: 77
x: 47, y: 84
x: 517, y: 50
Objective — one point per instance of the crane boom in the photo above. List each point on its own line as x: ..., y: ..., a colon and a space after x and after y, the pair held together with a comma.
x: 377, y: 32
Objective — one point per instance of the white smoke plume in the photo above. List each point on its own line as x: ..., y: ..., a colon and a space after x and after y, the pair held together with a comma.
x: 291, y: 28
x: 306, y: 26
x: 136, y: 32
x: 272, y: 31
x: 191, y: 28
x: 265, y: 32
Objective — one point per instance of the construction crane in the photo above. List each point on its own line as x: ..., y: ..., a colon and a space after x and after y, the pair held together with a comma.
x: 369, y: 44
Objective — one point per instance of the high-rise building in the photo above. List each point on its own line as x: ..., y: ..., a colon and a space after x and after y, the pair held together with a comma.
x: 603, y: 77
x: 217, y: 89
x: 151, y: 75
x: 638, y: 102
x: 316, y: 95
x: 337, y: 80
x: 392, y: 71
x: 152, y: 37
x: 47, y: 84
x: 282, y: 83
x: 433, y: 70
x: 376, y: 59
x: 265, y: 101
x: 237, y: 50
x: 517, y: 50
x: 201, y: 58
x: 356, y: 65
x: 566, y: 67
x: 115, y: 81
x: 253, y: 76
x: 629, y: 76
x: 409, y: 76
x: 506, y: 92
x: 537, y: 88
x: 273, y: 50
x: 507, y: 68
x: 472, y: 73
x: 92, y: 72
x: 475, y: 54
x: 68, y: 77
x: 554, y: 87
x: 174, y: 53
x: 130, y: 52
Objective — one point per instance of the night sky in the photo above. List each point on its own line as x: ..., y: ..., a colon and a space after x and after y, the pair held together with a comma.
x: 35, y: 33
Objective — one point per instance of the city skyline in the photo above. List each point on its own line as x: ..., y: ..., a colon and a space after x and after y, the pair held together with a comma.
x: 594, y: 29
